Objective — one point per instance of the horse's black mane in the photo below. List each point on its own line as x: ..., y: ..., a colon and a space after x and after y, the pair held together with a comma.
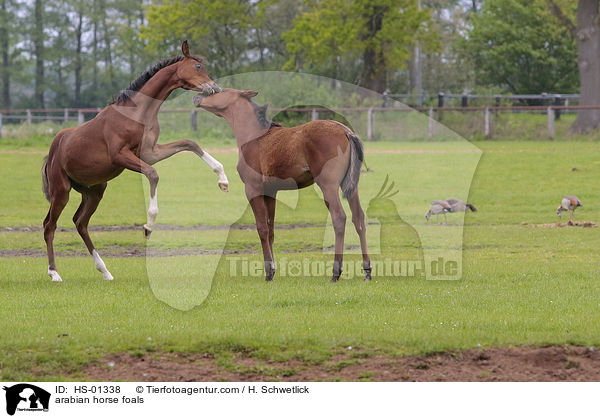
x: 261, y: 116
x: 139, y: 82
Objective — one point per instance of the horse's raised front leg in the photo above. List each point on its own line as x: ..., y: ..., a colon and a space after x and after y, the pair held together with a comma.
x: 162, y: 151
x: 261, y: 215
x: 130, y: 161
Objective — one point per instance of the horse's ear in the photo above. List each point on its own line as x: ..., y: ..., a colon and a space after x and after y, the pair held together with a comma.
x: 249, y: 93
x: 185, y: 48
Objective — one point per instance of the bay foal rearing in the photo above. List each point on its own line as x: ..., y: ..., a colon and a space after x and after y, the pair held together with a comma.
x: 273, y: 158
x: 122, y: 136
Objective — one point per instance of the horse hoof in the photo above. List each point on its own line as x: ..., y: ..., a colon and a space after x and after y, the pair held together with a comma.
x: 224, y: 187
x: 147, y: 232
x: 269, y: 279
x: 54, y: 276
x: 368, y: 278
x: 335, y: 279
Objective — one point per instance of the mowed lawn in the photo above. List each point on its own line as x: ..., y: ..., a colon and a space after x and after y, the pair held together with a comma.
x: 521, y: 284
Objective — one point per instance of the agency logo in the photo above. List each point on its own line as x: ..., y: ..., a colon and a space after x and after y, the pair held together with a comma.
x: 26, y: 397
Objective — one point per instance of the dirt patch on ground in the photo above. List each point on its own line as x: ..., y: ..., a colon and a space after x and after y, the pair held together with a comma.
x: 554, y: 363
x: 124, y: 251
x: 586, y: 224
x: 159, y: 227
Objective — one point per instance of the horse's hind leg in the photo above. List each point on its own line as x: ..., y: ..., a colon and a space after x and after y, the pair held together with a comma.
x: 59, y: 197
x: 90, y: 198
x: 338, y: 218
x: 358, y: 219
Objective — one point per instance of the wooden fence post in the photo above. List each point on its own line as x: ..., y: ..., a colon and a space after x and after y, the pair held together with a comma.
x: 194, y: 120
x: 431, y: 123
x: 487, y: 123
x: 464, y: 100
x: 440, y: 105
x: 314, y: 114
x: 440, y: 99
x: 28, y: 116
x: 497, y: 103
x: 370, y: 124
x: 557, y: 102
x: 80, y: 117
x: 550, y: 122
x: 66, y: 117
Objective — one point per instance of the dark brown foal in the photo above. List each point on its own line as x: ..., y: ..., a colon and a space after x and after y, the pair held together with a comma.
x: 273, y: 158
x: 123, y: 135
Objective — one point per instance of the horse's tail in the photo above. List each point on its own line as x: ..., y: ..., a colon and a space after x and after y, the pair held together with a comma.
x: 350, y: 180
x: 45, y: 178
x: 473, y: 208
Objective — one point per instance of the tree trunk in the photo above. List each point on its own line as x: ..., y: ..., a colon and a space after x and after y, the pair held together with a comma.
x: 374, y: 71
x: 78, y: 60
x: 131, y: 49
x: 261, y: 47
x: 415, y: 74
x: 107, y: 50
x: 5, y: 56
x: 95, y: 49
x: 38, y: 40
x: 588, y: 45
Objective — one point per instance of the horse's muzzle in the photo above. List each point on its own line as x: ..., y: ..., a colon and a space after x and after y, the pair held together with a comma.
x: 208, y: 89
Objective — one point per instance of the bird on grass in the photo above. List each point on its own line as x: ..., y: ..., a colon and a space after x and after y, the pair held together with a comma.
x: 568, y: 204
x: 458, y: 205
x: 438, y: 207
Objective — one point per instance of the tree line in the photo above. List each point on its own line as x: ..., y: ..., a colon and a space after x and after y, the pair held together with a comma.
x: 75, y: 53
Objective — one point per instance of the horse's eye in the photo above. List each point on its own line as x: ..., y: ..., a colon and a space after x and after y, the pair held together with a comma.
x: 199, y: 66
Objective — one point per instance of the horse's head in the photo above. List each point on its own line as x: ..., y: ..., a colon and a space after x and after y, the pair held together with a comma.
x: 192, y: 75
x: 218, y: 103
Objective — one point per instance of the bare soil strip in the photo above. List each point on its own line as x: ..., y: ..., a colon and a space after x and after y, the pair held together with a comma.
x: 143, y: 251
x: 158, y: 227
x: 584, y: 224
x: 250, y: 227
x: 118, y: 251
x: 547, y: 364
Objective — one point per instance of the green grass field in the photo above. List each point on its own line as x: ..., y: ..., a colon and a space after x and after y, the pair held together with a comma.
x: 521, y: 284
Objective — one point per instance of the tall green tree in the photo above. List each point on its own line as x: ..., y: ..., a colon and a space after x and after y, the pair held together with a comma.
x: 372, y: 36
x: 522, y: 46
x: 38, y: 38
x: 7, y: 38
x: 586, y: 31
x: 220, y: 30
x: 445, y: 68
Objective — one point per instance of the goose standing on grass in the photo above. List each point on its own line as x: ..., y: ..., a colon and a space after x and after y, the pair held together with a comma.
x: 438, y: 207
x: 458, y: 205
x: 568, y: 204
